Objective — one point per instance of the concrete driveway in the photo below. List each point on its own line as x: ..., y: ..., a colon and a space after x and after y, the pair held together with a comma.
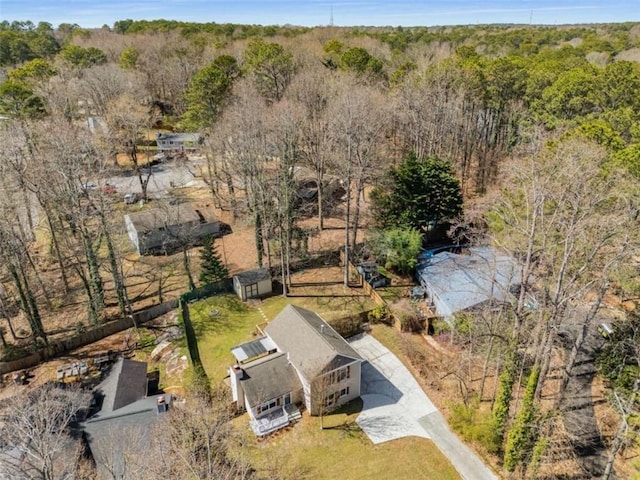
x: 395, y: 406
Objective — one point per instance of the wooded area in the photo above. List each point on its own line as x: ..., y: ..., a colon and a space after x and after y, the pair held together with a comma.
x: 523, y: 137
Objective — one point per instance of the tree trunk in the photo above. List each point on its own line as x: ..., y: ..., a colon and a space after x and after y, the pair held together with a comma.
x: 187, y: 267
x: 56, y: 248
x: 356, y: 213
x: 96, y: 284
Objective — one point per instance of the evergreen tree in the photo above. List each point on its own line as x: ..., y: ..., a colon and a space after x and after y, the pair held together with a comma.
x: 418, y: 194
x: 211, y: 267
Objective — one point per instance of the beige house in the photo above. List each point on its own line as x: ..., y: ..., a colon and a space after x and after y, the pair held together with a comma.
x: 301, y: 360
x: 162, y: 230
x: 253, y: 284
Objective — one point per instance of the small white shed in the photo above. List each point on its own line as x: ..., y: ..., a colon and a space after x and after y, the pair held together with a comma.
x: 253, y: 283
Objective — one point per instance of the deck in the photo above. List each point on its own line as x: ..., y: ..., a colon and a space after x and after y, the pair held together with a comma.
x: 275, y: 420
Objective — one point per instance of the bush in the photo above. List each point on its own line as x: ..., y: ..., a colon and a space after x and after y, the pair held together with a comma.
x: 380, y: 314
x: 410, y: 318
x: 348, y: 326
x: 475, y: 425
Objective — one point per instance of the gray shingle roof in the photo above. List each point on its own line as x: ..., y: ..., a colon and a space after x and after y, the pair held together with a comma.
x: 269, y: 377
x: 125, y: 383
x: 157, y: 218
x: 461, y: 281
x: 312, y: 344
x: 253, y: 276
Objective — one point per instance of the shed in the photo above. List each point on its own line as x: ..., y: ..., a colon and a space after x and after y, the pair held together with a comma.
x: 162, y: 230
x: 253, y: 283
x: 458, y: 281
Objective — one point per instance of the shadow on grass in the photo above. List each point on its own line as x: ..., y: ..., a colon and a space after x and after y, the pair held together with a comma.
x: 218, y: 314
x: 347, y: 425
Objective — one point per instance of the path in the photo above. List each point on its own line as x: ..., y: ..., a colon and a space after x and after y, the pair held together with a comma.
x: 395, y: 406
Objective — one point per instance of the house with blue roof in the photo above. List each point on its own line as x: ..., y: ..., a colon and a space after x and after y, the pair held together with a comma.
x: 472, y: 276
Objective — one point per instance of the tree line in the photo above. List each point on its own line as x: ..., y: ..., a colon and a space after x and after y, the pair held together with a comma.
x: 530, y: 135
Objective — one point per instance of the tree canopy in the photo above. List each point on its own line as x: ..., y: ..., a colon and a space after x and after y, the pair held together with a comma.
x: 418, y: 193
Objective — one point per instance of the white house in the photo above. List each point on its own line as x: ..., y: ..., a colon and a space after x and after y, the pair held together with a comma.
x: 300, y: 360
x: 178, y: 142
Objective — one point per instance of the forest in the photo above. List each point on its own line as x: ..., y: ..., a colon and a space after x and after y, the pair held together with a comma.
x: 526, y: 138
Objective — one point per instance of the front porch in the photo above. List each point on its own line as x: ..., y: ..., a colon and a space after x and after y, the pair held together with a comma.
x: 275, y: 420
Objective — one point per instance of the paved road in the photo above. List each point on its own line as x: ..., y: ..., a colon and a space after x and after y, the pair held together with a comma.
x: 177, y: 173
x: 395, y: 406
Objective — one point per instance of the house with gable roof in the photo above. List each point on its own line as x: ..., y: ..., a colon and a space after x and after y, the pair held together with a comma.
x: 300, y: 360
x: 126, y: 412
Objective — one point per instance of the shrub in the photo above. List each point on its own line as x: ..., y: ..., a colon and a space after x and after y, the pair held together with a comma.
x: 380, y: 314
x: 475, y: 425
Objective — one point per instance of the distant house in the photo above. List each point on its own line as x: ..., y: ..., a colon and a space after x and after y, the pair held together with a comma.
x: 301, y: 360
x: 162, y: 230
x: 122, y: 425
x: 253, y: 283
x: 456, y: 282
x: 178, y: 142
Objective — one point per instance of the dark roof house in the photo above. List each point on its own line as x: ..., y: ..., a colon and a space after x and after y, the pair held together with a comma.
x: 126, y: 414
x: 160, y: 230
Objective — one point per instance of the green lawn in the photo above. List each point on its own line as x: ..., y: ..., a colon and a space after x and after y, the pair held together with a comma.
x: 342, y: 450
x: 235, y: 322
x: 305, y: 450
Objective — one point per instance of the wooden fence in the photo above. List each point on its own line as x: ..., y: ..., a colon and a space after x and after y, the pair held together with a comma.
x: 58, y: 347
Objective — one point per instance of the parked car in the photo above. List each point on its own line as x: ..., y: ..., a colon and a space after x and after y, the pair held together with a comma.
x: 131, y: 198
x: 109, y: 189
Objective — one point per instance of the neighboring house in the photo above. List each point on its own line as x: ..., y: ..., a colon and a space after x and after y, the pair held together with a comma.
x: 459, y: 281
x: 162, y: 230
x: 300, y: 360
x: 178, y: 142
x: 122, y: 426
x: 253, y: 283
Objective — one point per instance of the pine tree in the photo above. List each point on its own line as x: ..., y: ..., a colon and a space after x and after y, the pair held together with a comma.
x: 211, y: 267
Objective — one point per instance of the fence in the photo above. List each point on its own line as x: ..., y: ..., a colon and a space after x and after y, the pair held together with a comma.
x: 58, y: 347
x: 354, y: 273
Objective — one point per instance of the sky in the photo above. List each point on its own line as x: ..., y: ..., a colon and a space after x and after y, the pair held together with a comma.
x: 96, y: 13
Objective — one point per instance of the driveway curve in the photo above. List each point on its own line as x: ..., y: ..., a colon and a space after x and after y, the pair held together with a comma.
x: 395, y: 406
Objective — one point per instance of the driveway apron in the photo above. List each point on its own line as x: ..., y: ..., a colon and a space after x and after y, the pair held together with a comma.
x: 395, y: 406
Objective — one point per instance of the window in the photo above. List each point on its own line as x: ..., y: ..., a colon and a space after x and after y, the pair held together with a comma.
x: 344, y: 373
x: 329, y: 400
x: 344, y: 391
x: 341, y: 375
x: 275, y: 402
x: 287, y: 399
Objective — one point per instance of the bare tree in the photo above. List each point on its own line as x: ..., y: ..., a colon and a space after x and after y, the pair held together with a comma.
x: 36, y: 427
x: 129, y: 120
x: 357, y: 129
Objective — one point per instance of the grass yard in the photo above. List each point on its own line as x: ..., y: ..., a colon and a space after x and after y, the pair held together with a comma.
x: 235, y: 322
x: 342, y: 450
